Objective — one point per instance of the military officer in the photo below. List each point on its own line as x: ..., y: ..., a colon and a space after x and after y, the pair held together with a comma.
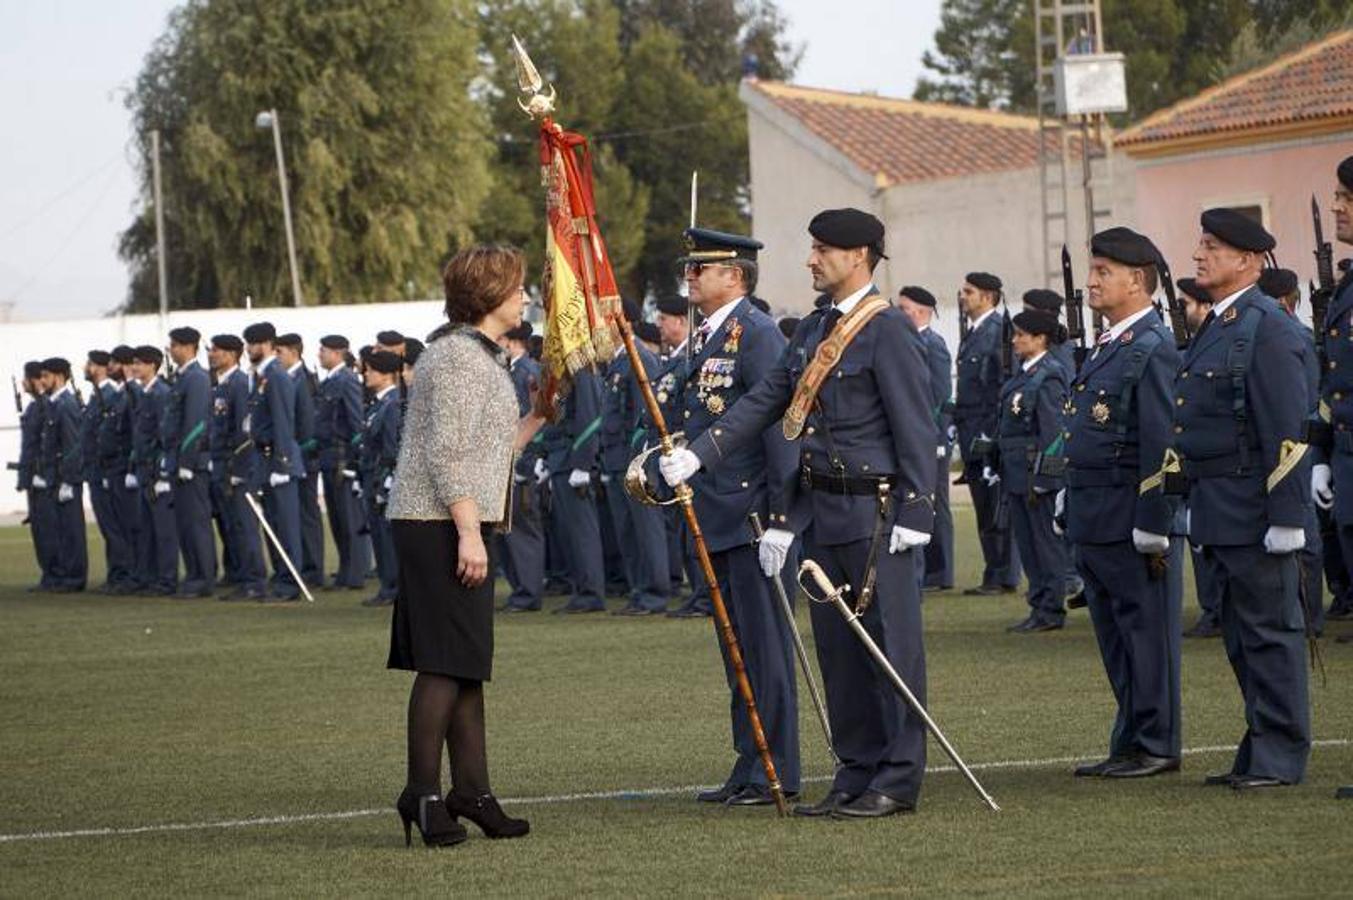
x: 642, y: 531
x: 570, y: 458
x: 186, y: 461
x: 1029, y: 465
x: 1239, y: 434
x: 291, y: 354
x: 976, y: 410
x: 231, y: 473
x: 115, y: 454
x: 1050, y: 302
x: 392, y: 341
x: 1118, y: 515
x: 919, y: 305
x: 379, y: 450
x: 339, y: 420
x: 59, y: 474
x: 41, y: 512
x: 862, y: 408
x: 1343, y: 297
x: 523, y: 548
x: 157, y: 552
x: 277, y: 464
x: 119, y: 556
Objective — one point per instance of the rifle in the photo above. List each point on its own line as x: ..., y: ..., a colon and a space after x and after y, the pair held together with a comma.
x: 18, y: 397
x: 1324, y: 271
x: 1179, y: 321
x: 1007, y: 341
x: 963, y: 325
x: 1075, y: 308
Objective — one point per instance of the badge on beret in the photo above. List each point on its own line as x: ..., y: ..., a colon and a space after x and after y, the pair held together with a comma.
x: 1100, y: 412
x: 1015, y: 402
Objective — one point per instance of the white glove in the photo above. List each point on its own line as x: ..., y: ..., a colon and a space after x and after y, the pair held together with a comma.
x: 578, y: 478
x: 236, y: 480
x: 65, y: 493
x: 518, y: 479
x: 773, y: 550
x: 1188, y: 522
x: 39, y: 482
x: 1147, y: 542
x: 541, y: 473
x: 278, y: 478
x: 211, y: 467
x: 951, y: 433
x: 906, y: 539
x: 1280, y: 539
x: 389, y: 482
x: 380, y: 499
x: 678, y: 466
x: 605, y: 479
x: 990, y: 476
x: 349, y: 474
x: 185, y: 474
x: 1058, y: 511
x: 1322, y: 485
x: 941, y: 450
x: 162, y: 487
x: 104, y: 482
x: 131, y: 482
x: 357, y: 490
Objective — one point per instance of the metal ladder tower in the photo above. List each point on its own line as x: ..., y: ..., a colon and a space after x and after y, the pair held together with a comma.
x: 1063, y: 27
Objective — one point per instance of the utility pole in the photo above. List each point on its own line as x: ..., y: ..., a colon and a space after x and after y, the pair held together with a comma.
x: 159, y: 226
x: 269, y: 119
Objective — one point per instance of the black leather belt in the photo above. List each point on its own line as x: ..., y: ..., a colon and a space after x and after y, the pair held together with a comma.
x: 856, y: 485
x: 1084, y: 478
x: 1220, y: 467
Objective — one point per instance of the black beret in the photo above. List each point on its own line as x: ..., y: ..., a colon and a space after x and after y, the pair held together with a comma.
x: 1191, y: 287
x: 537, y: 345
x: 704, y: 245
x: 148, y: 354
x: 788, y: 325
x: 186, y: 335
x: 1238, y: 230
x: 227, y: 342
x: 334, y: 342
x: 58, y: 364
x: 1125, y: 246
x: 384, y: 361
x: 760, y: 304
x: 918, y: 295
x: 32, y: 370
x: 672, y: 305
x: 260, y: 332
x: 123, y: 354
x: 983, y: 281
x: 1035, y: 321
x: 100, y: 357
x: 847, y: 228
x: 631, y: 311
x: 290, y: 339
x: 1346, y: 173
x: 648, y: 333
x: 521, y: 333
x: 365, y: 351
x: 389, y: 338
x: 1044, y: 299
x: 413, y: 348
x: 1278, y: 283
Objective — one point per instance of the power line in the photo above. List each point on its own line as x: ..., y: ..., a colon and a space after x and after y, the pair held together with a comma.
x: 61, y: 195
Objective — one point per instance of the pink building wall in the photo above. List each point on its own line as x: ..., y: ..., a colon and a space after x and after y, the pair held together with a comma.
x: 1172, y: 192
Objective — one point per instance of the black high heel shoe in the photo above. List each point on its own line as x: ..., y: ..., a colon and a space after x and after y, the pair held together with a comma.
x: 437, y: 827
x: 485, y: 812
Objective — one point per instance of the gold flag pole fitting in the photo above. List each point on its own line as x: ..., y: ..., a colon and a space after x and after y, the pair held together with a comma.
x: 540, y: 105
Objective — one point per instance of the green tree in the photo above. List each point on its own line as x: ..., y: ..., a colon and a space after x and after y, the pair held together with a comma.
x: 978, y: 57
x: 386, y: 151
x: 716, y: 36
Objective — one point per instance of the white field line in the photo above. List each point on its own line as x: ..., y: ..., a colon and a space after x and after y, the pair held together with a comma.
x: 630, y: 794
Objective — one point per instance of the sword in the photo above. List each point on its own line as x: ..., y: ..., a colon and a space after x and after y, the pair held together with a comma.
x: 788, y: 611
x: 277, y: 545
x: 833, y: 595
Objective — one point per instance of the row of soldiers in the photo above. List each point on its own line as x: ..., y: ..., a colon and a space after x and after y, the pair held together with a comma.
x: 167, y: 452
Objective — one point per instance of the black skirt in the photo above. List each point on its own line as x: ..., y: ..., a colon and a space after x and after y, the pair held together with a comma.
x: 439, y: 625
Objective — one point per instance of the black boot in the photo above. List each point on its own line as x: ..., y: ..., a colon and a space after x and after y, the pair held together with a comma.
x: 485, y: 812
x: 428, y: 812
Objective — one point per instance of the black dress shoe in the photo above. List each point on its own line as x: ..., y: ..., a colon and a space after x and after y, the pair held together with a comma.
x: 871, y: 805
x: 1344, y: 793
x: 378, y: 600
x: 688, y: 612
x: 636, y: 611
x: 1344, y: 639
x: 758, y: 795
x: 279, y: 598
x: 983, y: 590
x: 1340, y: 611
x: 1045, y: 625
x: 1077, y: 601
x: 513, y: 608
x: 1020, y: 626
x: 936, y: 588
x: 1101, y: 768
x: 1204, y: 628
x: 1144, y: 766
x: 572, y: 610
x: 824, y: 807
x: 1254, y: 782
x: 1220, y: 779
x: 719, y: 794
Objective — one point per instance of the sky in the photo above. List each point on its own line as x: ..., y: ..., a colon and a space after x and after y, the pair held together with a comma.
x: 68, y: 182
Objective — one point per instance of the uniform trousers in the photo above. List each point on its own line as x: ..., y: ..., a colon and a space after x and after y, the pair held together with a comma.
x: 643, y: 545
x: 881, y: 743
x: 1312, y: 561
x: 70, y: 568
x: 240, y: 537
x: 311, y: 563
x: 281, y: 507
x: 345, y: 524
x: 939, y: 553
x: 522, y: 549
x: 1263, y: 631
x: 118, y: 550
x: 575, y: 517
x: 127, y: 509
x: 230, y: 564
x: 768, y: 653
x: 42, y: 526
x: 1000, y: 558
x: 1043, y: 553
x: 383, y: 545
x: 192, y: 519
x: 157, y: 548
x: 1137, y: 625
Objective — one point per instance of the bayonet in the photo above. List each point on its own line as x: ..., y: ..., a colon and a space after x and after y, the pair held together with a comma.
x: 1075, y: 308
x: 1179, y: 320
x: 1324, y: 291
x: 537, y: 104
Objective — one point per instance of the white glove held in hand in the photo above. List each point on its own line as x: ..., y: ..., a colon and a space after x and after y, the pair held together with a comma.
x: 185, y: 474
x: 541, y: 472
x: 65, y: 493
x: 1147, y: 543
x: 236, y: 480
x: 906, y: 539
x: 1058, y: 511
x: 774, y: 549
x: 131, y: 482
x: 678, y: 466
x: 1322, y: 486
x: 941, y: 450
x: 578, y: 478
x: 278, y: 478
x: 1280, y: 539
x: 39, y: 482
x: 162, y: 487
x: 990, y: 476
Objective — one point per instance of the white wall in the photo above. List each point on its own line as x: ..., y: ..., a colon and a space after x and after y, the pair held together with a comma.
x: 74, y: 338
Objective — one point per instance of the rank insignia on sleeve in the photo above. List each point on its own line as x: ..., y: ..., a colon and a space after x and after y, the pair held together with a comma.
x: 1100, y: 412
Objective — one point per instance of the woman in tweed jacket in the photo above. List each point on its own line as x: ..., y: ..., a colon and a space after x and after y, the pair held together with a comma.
x: 452, y: 486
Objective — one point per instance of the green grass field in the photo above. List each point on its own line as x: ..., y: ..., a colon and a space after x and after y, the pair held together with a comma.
x: 173, y: 727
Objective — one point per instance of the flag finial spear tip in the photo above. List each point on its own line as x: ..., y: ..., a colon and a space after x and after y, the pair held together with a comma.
x: 533, y: 102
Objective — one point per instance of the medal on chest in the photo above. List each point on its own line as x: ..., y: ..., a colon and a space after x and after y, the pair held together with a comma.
x: 1016, y: 402
x: 731, y: 343
x: 1100, y: 412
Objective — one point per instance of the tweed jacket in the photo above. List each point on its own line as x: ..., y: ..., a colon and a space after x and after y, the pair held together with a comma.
x: 458, y: 432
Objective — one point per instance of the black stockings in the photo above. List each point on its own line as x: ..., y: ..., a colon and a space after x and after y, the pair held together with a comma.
x: 450, y: 710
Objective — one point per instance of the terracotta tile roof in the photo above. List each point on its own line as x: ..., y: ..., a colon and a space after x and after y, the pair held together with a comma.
x: 1296, y: 92
x: 897, y: 141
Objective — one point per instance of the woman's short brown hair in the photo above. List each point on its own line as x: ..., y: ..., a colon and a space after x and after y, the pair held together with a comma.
x: 479, y: 279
